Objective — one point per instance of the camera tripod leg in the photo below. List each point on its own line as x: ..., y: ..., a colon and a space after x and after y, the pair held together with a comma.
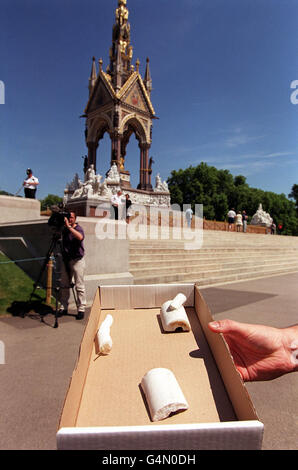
x: 56, y: 311
x: 43, y: 268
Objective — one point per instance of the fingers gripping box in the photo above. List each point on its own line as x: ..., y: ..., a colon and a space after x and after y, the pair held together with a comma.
x: 106, y: 407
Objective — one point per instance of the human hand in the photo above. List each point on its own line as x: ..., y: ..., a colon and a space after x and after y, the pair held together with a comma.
x: 260, y: 352
x: 66, y: 222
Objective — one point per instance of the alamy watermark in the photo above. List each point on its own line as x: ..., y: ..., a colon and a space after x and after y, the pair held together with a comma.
x: 153, y: 223
x: 2, y: 92
x: 2, y: 353
x: 294, y: 94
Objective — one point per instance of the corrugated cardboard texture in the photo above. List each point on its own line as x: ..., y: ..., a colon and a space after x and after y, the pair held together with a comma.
x: 233, y: 435
x: 105, y: 397
x: 149, y: 296
x: 73, y: 398
x: 112, y: 394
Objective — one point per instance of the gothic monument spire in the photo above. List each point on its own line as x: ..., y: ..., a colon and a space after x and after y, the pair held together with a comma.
x: 121, y: 50
x: 120, y: 104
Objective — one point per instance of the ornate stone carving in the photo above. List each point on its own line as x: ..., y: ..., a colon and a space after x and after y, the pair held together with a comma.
x: 160, y: 186
x: 261, y: 217
x: 113, y: 174
x: 93, y: 188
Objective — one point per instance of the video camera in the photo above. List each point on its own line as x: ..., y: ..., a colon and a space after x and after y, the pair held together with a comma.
x: 56, y: 220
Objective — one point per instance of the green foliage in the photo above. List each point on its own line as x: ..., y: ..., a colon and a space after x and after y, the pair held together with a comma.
x: 14, y: 284
x: 50, y: 200
x: 5, y: 193
x: 219, y: 191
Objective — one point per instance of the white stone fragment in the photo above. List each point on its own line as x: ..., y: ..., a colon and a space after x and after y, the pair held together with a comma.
x: 163, y: 393
x: 173, y: 319
x: 177, y: 302
x: 104, y: 337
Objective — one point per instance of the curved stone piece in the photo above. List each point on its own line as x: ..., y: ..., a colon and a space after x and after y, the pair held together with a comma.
x: 173, y: 319
x: 178, y: 301
x: 104, y: 339
x: 163, y: 393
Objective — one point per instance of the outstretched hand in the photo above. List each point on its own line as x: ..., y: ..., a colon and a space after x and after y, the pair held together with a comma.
x: 259, y: 352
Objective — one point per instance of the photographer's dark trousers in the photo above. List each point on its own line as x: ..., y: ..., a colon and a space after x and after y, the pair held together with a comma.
x: 76, y: 273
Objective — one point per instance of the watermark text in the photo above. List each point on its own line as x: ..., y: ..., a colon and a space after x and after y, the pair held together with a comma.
x: 153, y: 223
x: 2, y: 353
x: 294, y: 94
x: 2, y: 92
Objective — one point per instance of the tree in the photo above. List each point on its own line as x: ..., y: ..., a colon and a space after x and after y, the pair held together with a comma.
x: 5, y: 193
x: 294, y: 195
x: 239, y: 180
x: 50, y: 200
x: 218, y: 191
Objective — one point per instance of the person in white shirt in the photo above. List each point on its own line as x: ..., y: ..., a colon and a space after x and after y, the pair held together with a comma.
x: 188, y: 216
x: 239, y: 221
x: 231, y: 218
x: 117, y: 203
x: 30, y: 185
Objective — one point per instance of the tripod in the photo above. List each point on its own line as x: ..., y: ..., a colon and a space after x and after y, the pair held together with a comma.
x: 55, y: 245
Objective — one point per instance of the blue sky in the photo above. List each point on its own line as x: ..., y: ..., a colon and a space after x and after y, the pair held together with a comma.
x: 221, y: 70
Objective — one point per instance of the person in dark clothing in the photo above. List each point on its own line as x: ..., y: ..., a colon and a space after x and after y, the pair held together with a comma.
x: 128, y: 208
x: 73, y: 266
x: 30, y: 185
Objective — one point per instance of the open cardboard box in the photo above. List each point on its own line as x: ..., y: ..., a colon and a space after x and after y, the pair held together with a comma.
x: 105, y: 407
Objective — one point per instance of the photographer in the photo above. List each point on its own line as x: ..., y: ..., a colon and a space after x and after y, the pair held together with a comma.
x: 73, y: 266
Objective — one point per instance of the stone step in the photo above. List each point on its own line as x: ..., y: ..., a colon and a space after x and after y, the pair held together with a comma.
x: 223, y: 257
x: 210, y: 270
x: 191, y: 254
x: 217, y: 278
x: 214, y: 246
x: 209, y: 263
x: 239, y: 239
x: 270, y: 241
x: 239, y: 277
x: 208, y: 256
x: 142, y: 235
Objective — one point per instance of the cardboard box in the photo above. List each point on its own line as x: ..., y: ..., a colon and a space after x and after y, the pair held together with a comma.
x: 105, y: 407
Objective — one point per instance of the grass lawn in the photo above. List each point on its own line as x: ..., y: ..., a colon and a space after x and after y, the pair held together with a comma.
x: 15, y: 285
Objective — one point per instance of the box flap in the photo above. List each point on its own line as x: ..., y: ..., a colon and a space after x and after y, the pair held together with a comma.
x: 138, y: 296
x: 75, y: 390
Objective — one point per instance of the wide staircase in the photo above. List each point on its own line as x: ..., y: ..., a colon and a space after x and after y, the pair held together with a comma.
x: 223, y: 257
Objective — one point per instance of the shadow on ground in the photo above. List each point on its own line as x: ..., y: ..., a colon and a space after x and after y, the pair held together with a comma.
x: 220, y: 300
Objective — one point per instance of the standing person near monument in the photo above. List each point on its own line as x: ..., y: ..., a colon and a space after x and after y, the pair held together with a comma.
x: 73, y: 266
x: 128, y: 208
x: 188, y: 216
x: 239, y: 221
x: 231, y: 218
x: 30, y: 185
x: 116, y: 201
x: 244, y: 221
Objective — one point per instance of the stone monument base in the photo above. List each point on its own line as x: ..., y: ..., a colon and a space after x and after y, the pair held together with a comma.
x: 92, y: 198
x: 13, y: 209
x: 101, y: 207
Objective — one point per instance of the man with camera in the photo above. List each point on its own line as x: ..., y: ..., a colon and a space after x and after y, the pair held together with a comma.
x: 73, y: 266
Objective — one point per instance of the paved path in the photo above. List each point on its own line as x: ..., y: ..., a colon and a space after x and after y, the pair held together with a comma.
x: 39, y: 361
